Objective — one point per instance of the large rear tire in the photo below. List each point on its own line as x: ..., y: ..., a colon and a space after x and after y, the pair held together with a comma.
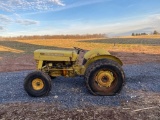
x: 37, y: 84
x: 104, y: 77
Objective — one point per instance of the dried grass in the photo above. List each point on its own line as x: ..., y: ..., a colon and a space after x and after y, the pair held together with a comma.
x: 8, y: 49
x: 70, y: 43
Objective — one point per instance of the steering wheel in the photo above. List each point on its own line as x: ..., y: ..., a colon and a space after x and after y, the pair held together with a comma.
x: 78, y: 49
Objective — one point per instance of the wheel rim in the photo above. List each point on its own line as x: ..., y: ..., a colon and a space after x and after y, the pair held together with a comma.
x: 37, y: 84
x: 104, y: 78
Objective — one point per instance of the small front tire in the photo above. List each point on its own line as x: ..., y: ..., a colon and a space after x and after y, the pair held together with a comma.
x: 37, y: 84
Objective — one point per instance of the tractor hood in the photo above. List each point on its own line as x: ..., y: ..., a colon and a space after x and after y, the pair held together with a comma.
x: 55, y: 55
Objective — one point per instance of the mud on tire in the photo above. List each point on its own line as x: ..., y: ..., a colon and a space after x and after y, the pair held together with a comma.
x: 104, y: 77
x: 37, y: 84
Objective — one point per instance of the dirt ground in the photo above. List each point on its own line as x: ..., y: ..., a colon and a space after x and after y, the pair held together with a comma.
x: 26, y: 61
x: 147, y: 107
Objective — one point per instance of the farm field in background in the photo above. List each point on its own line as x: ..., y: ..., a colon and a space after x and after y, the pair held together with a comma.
x: 18, y: 54
x: 151, y: 46
x: 129, y: 45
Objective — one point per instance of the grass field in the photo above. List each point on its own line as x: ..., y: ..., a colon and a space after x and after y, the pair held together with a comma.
x: 17, y: 55
x: 130, y: 45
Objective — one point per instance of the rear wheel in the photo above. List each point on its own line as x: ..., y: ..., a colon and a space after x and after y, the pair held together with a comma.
x: 104, y: 77
x: 37, y: 84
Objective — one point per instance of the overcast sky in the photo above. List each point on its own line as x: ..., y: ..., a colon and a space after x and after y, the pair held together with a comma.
x: 49, y: 17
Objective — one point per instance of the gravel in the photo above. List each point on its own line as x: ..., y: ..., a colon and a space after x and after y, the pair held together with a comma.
x: 72, y: 92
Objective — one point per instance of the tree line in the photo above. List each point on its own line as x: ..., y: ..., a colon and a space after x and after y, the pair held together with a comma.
x: 155, y: 32
x: 87, y: 36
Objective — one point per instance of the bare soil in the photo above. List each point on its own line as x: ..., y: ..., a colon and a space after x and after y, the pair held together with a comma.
x: 27, y: 62
x: 136, y: 58
x: 17, y: 63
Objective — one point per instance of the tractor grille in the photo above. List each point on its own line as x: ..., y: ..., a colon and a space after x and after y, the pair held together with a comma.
x: 37, y: 64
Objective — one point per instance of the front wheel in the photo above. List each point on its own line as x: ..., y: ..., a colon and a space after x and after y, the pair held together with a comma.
x: 104, y: 77
x: 37, y: 84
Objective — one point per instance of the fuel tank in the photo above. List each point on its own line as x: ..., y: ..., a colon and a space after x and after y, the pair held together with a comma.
x: 55, y: 55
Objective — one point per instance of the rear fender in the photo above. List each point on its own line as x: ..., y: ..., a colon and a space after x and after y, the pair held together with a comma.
x: 96, y: 52
x: 110, y: 57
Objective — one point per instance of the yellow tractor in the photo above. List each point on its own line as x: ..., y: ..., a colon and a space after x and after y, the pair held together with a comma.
x: 102, y: 71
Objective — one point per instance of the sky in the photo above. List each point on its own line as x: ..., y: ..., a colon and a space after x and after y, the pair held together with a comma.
x: 56, y: 17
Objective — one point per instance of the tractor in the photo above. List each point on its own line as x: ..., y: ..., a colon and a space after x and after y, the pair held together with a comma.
x: 102, y: 71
